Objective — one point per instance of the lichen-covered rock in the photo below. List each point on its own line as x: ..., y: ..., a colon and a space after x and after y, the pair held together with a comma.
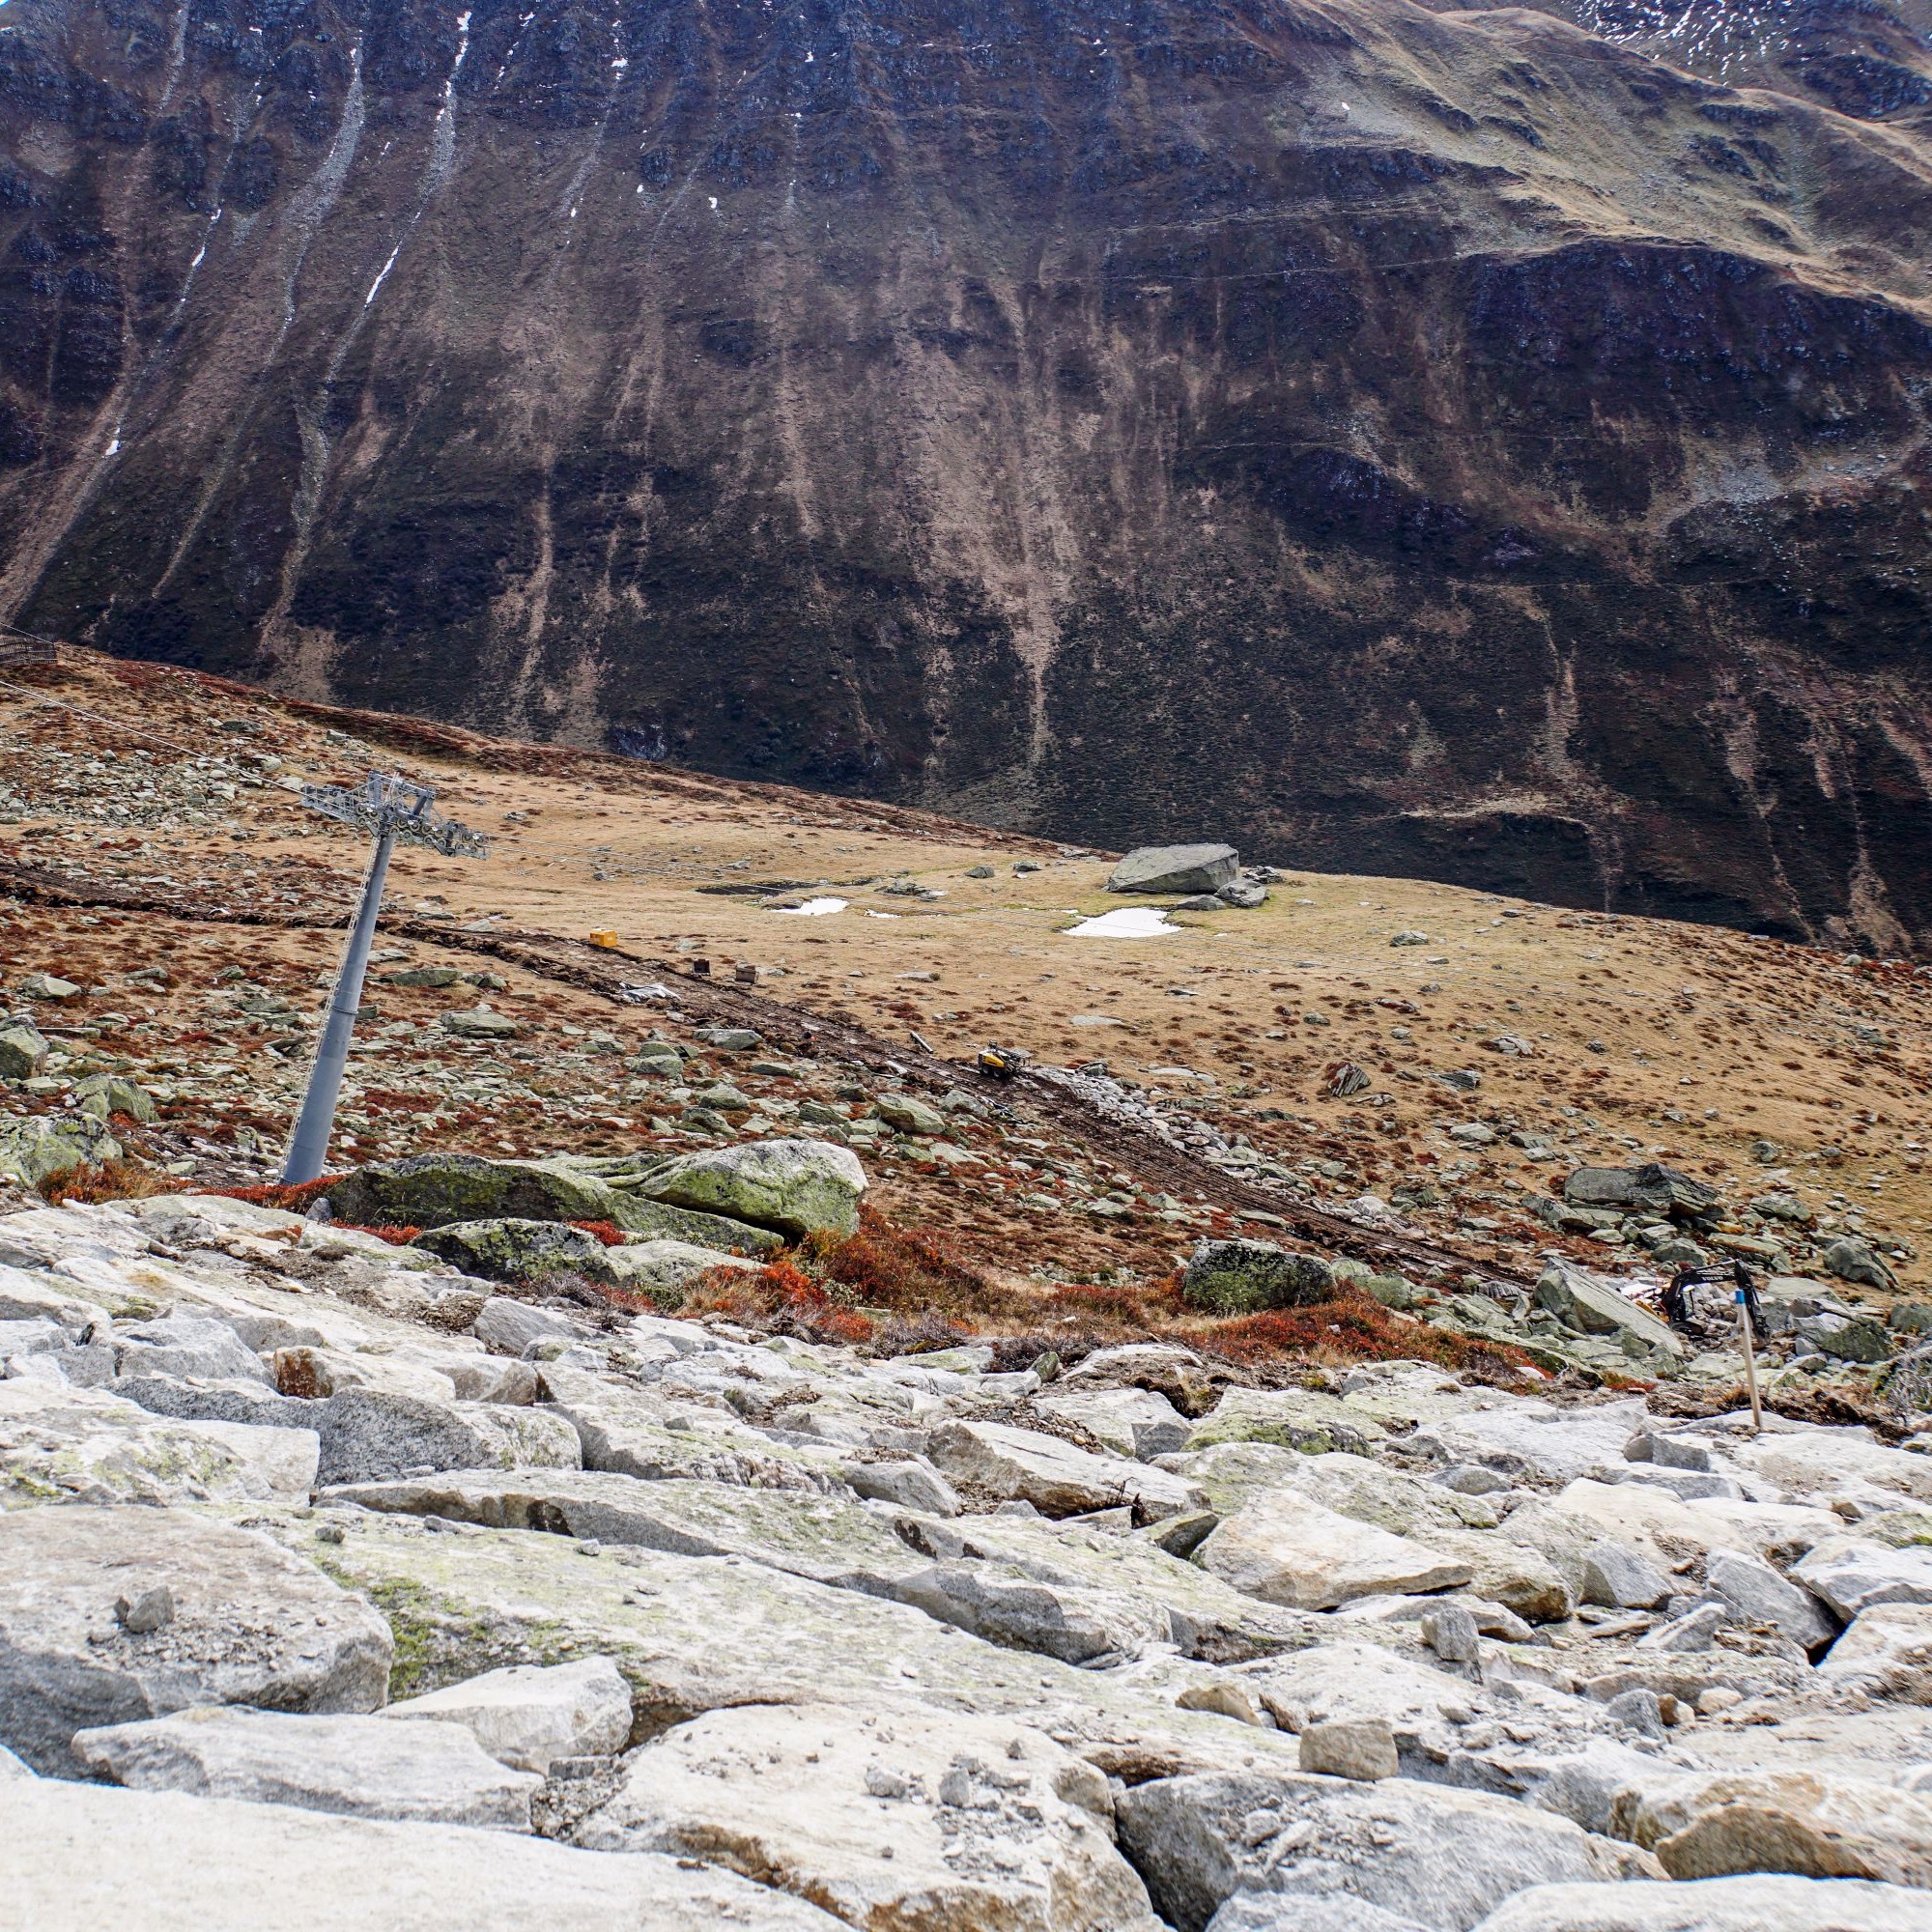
x: 23, y: 1050
x: 434, y: 1190
x: 42, y: 1147
x: 797, y: 1187
x: 664, y: 1270
x: 513, y: 1249
x: 1240, y: 1277
x: 371, y: 1435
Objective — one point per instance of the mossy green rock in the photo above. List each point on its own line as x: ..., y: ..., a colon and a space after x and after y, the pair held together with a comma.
x: 513, y: 1249
x: 797, y: 1187
x: 432, y: 1190
x: 41, y: 1147
x: 1241, y: 1277
x: 105, y: 1094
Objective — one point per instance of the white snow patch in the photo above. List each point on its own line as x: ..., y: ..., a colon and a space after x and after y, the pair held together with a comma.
x: 814, y: 908
x: 1129, y: 922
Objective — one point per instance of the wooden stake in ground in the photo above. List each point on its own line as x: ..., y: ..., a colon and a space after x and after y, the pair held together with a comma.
x: 1750, y: 1357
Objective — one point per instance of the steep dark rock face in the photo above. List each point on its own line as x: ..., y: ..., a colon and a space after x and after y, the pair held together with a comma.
x: 1444, y: 442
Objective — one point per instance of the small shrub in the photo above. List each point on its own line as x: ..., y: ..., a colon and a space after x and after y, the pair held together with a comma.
x: 111, y: 1180
x: 296, y: 1200
x: 1355, y: 1327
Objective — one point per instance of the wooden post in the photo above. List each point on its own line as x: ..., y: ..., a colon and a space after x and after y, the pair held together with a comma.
x: 1750, y: 1363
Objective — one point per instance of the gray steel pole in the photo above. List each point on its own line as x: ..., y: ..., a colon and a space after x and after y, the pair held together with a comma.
x: 308, y: 1147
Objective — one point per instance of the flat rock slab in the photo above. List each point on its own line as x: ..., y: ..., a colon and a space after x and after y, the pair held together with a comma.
x: 1853, y: 1576
x: 81, y: 1446
x: 1758, y: 1904
x: 360, y: 1766
x: 81, y: 1856
x: 528, y: 1716
x: 251, y: 1625
x: 795, y: 1187
x: 1286, y: 1549
x: 699, y: 1634
x: 1024, y: 1466
x: 825, y: 1538
x: 1439, y: 1856
x: 887, y: 1818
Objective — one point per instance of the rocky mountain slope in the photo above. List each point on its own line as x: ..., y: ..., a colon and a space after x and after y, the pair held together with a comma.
x: 1432, y: 442
x: 705, y: 1456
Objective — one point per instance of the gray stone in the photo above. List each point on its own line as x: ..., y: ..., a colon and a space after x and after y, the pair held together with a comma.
x: 105, y: 1094
x: 666, y: 1270
x: 42, y: 1147
x: 731, y: 1039
x: 1852, y: 1260
x: 512, y: 1249
x: 1006, y: 1607
x: 1240, y: 1277
x: 1637, y: 1710
x: 907, y: 1116
x: 911, y: 1481
x: 1851, y: 1575
x: 1023, y: 1464
x: 1592, y: 1307
x: 1886, y: 1653
x: 1650, y: 1189
x: 432, y: 1190
x: 1620, y: 1578
x: 1286, y: 1549
x: 360, y: 1766
x: 89, y: 1856
x: 1696, y: 1629
x: 528, y: 1716
x: 826, y: 1538
x: 1359, y: 1748
x: 1243, y: 898
x: 48, y: 986
x: 795, y: 1187
x: 481, y: 1023
x: 146, y: 1610
x: 23, y: 1051
x: 1441, y: 1856
x: 899, y: 1821
x: 1131, y: 1422
x: 1452, y: 1633
x: 1176, y: 868
x: 370, y: 1437
x: 252, y: 1625
x: 186, y: 1345
x: 1759, y: 1903
x: 510, y: 1326
x: 1758, y: 1595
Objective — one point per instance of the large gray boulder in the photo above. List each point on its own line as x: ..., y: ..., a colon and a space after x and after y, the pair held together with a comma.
x: 796, y: 1187
x: 187, y: 1345
x: 1442, y: 1857
x: 894, y: 1818
x: 369, y: 1436
x: 363, y: 1767
x: 84, y: 1856
x: 1651, y: 1189
x: 250, y: 1624
x: 1175, y: 868
x: 1241, y: 1277
x: 1582, y: 1302
x: 432, y: 1190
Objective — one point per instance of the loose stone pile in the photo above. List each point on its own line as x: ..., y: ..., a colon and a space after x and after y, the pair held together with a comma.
x: 334, y: 1563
